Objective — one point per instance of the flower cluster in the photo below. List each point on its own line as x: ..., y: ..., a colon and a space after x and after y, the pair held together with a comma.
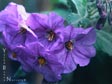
x: 41, y: 42
x: 105, y: 12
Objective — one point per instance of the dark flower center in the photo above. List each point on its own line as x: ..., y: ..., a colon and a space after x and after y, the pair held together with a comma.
x: 22, y: 30
x: 51, y: 35
x: 41, y: 60
x: 69, y: 45
x: 14, y: 55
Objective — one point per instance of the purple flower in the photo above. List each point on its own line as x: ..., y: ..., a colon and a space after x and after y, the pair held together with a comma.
x: 48, y: 28
x: 41, y: 43
x: 14, y: 29
x: 45, y: 63
x: 22, y: 55
x: 2, y: 27
x: 77, y: 47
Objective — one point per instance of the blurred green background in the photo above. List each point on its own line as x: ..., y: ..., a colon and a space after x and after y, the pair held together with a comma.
x: 99, y: 71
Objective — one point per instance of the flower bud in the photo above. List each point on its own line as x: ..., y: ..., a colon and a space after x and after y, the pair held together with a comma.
x: 100, y: 23
x: 110, y: 18
x: 101, y: 8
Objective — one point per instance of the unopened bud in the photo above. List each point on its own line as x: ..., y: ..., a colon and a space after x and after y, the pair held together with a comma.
x: 101, y: 8
x: 110, y: 18
x: 100, y: 24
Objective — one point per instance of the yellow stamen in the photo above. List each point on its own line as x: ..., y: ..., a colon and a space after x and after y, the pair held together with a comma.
x: 51, y: 35
x: 69, y: 45
x: 14, y: 55
x: 41, y: 60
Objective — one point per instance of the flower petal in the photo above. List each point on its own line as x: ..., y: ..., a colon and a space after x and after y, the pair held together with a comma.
x: 36, y: 21
x: 70, y: 64
x: 89, y: 38
x: 55, y: 20
x: 66, y: 59
x: 14, y: 38
x: 80, y: 59
x: 25, y: 58
x: 47, y: 72
x: 87, y: 51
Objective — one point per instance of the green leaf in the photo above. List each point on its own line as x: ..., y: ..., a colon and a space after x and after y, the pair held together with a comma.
x: 81, y: 6
x: 104, y: 42
x: 20, y: 73
x: 71, y: 6
x: 61, y: 12
x: 73, y: 19
x: 63, y: 1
